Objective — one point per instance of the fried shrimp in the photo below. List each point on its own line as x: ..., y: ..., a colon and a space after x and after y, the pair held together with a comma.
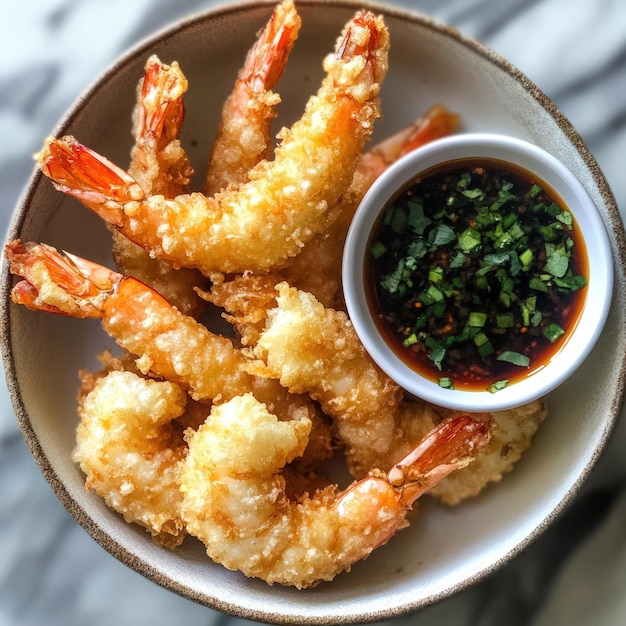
x: 243, y: 137
x: 435, y: 123
x: 317, y: 269
x: 315, y: 350
x: 160, y: 165
x: 312, y: 349
x: 189, y: 432
x: 287, y: 200
x: 512, y: 433
x: 130, y: 449
x: 166, y: 343
x: 234, y: 495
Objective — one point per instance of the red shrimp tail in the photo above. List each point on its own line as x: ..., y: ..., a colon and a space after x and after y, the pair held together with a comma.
x: 366, y: 36
x: 438, y: 122
x: 82, y: 173
x: 451, y: 445
x: 162, y: 110
x: 267, y: 59
x: 57, y: 282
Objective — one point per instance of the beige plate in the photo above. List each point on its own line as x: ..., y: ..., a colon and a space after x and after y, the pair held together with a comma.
x: 444, y: 550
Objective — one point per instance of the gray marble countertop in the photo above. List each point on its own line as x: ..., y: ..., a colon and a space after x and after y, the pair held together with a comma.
x: 52, y: 573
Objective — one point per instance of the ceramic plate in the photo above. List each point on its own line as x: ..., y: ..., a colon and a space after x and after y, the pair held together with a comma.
x: 444, y: 549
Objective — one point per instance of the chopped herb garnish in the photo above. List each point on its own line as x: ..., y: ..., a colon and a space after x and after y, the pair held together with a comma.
x: 469, y: 239
x: 565, y: 218
x: 410, y: 340
x: 515, y: 358
x: 474, y: 194
x: 499, y: 385
x: 378, y: 249
x: 416, y: 218
x: 458, y: 260
x: 444, y: 234
x: 477, y: 267
x: 476, y: 319
x: 553, y: 332
x: 558, y: 261
x: 392, y: 281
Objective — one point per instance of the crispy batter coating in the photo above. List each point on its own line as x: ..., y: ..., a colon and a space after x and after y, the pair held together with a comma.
x: 235, y: 497
x: 262, y: 223
x: 243, y: 136
x: 129, y: 447
x: 313, y: 349
x: 161, y: 166
x: 269, y: 235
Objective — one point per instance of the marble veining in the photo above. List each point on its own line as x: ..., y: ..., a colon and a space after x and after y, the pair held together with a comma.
x: 52, y: 573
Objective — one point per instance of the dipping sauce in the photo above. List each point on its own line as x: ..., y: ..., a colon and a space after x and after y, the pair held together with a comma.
x: 476, y: 273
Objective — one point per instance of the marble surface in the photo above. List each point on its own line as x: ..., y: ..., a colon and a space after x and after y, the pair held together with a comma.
x: 52, y: 573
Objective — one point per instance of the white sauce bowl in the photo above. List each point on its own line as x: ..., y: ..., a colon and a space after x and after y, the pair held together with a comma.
x: 579, y: 341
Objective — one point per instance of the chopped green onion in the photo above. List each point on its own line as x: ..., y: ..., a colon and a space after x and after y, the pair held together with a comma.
x: 526, y: 258
x: 410, y: 340
x: 506, y: 320
x: 515, y: 358
x: 477, y: 319
x: 475, y: 264
x: 446, y: 383
x: 486, y: 349
x: 552, y: 332
x: 499, y: 385
x: 469, y: 239
x: 509, y: 220
x: 481, y: 339
x: 378, y: 249
x: 435, y: 275
x: 435, y: 294
x: 538, y: 285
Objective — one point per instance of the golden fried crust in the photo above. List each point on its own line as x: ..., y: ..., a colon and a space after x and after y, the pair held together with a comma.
x: 130, y: 449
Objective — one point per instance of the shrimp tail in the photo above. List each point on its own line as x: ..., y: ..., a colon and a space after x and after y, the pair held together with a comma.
x: 243, y: 137
x: 448, y: 447
x: 82, y: 173
x: 163, y: 111
x: 159, y: 164
x: 352, y: 43
x: 437, y: 122
x: 266, y: 60
x: 58, y: 282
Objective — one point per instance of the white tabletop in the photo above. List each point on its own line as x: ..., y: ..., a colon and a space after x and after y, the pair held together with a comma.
x: 52, y: 573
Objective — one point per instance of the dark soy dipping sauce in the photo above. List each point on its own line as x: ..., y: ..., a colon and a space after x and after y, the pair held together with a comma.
x: 476, y: 274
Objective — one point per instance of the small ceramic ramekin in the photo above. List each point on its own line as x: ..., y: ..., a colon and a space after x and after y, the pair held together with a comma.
x: 580, y: 339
